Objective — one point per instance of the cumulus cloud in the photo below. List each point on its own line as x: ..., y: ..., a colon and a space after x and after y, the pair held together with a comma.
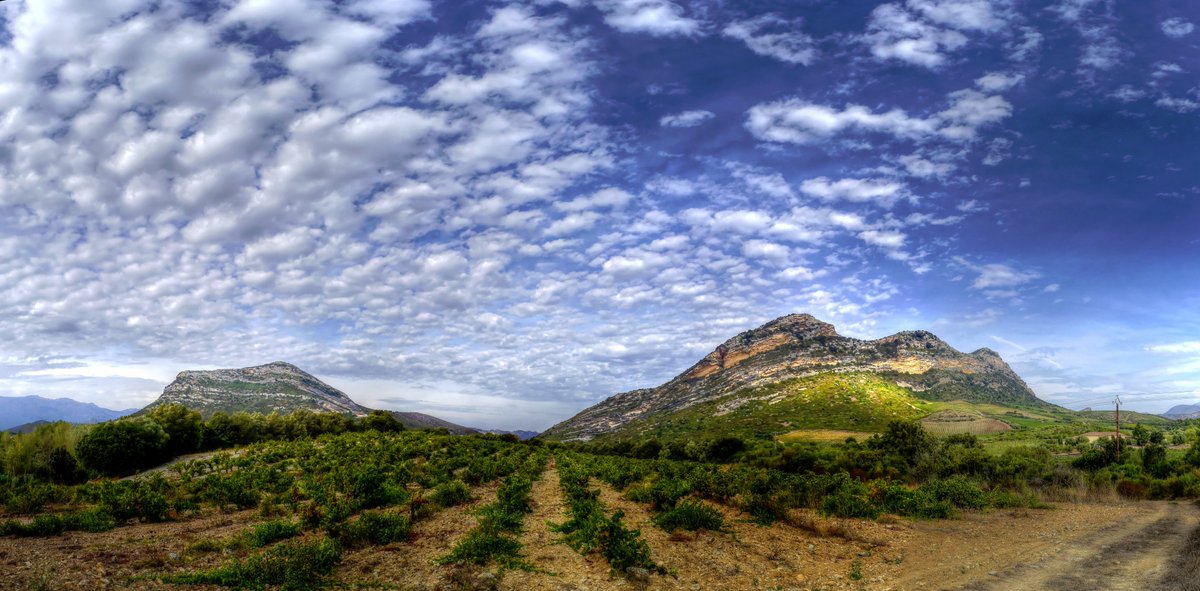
x: 775, y: 37
x: 798, y: 121
x: 925, y: 32
x: 660, y: 18
x: 686, y: 119
x: 882, y: 192
x: 1177, y: 28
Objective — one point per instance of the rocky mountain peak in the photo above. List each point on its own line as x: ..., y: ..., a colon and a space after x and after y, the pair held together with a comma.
x: 277, y: 386
x: 798, y: 346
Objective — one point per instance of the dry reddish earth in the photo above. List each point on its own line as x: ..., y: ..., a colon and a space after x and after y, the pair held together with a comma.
x: 1075, y: 546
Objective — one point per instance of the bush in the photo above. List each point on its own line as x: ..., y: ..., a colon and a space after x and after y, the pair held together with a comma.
x: 958, y: 491
x: 123, y: 447
x: 483, y: 545
x: 624, y: 548
x: 691, y: 515
x: 449, y: 494
x: 295, y: 566
x: 267, y: 533
x: 381, y: 420
x: 375, y: 527
x: 144, y: 500
x: 92, y: 520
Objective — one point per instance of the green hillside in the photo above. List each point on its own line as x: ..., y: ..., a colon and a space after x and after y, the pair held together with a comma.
x: 851, y: 402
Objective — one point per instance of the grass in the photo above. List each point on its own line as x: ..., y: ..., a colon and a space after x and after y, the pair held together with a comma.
x: 823, y: 436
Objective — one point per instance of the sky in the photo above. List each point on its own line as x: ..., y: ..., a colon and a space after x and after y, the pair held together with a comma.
x: 501, y: 213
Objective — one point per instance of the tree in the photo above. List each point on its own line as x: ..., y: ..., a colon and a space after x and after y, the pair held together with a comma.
x: 906, y: 439
x: 382, y: 420
x: 1140, y: 434
x: 123, y: 447
x: 184, y: 427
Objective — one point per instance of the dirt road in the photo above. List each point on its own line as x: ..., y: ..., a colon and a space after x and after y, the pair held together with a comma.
x: 1157, y: 550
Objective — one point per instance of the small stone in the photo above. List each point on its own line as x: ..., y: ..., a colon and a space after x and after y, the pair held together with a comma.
x: 638, y: 573
x: 173, y: 556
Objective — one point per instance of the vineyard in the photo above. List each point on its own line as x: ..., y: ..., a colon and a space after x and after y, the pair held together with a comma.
x: 423, y: 510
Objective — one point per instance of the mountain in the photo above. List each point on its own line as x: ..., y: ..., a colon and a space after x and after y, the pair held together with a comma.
x: 1183, y: 411
x: 521, y: 434
x: 19, y: 410
x: 417, y: 420
x: 797, y: 371
x: 277, y: 386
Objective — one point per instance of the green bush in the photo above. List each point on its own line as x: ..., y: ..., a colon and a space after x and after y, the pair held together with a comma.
x: 267, y: 533
x: 123, y: 447
x: 301, y: 565
x: 624, y: 548
x: 484, y: 545
x: 92, y: 520
x: 375, y: 527
x: 691, y: 515
x: 449, y: 494
x: 184, y: 427
x: 144, y: 500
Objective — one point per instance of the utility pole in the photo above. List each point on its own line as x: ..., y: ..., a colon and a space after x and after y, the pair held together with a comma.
x: 1118, y: 403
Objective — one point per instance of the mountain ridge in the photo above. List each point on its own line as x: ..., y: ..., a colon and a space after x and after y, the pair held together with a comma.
x: 20, y: 410
x: 801, y: 346
x: 276, y: 387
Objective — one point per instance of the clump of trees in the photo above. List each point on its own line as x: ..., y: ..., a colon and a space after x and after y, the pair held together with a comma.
x: 67, y: 454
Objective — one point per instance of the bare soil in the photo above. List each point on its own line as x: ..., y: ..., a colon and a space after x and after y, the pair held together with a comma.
x: 1074, y: 546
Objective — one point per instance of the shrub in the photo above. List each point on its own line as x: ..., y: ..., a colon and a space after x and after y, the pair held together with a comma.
x: 131, y: 499
x: 624, y: 548
x: 381, y: 420
x: 123, y: 447
x: 958, y: 491
x: 483, y: 545
x: 691, y: 515
x: 92, y: 520
x: 375, y: 527
x: 449, y: 494
x: 301, y: 565
x: 267, y: 533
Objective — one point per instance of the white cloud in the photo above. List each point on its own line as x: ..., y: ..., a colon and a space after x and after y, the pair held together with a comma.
x: 801, y: 122
x: 1177, y: 28
x: 882, y: 192
x: 1179, y: 105
x: 686, y: 119
x: 1185, y: 348
x: 660, y: 18
x: 883, y: 238
x: 775, y: 37
x: 925, y: 32
x: 996, y: 275
x: 998, y: 81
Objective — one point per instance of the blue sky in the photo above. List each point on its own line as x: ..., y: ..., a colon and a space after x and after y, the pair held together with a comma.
x: 503, y: 212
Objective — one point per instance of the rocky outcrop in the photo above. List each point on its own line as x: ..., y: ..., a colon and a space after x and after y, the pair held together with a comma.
x: 276, y: 386
x: 800, y: 345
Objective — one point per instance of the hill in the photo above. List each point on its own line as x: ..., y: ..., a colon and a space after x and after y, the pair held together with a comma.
x: 1128, y: 417
x: 1183, y: 412
x: 275, y: 387
x: 798, y: 371
x: 20, y: 410
x: 417, y: 420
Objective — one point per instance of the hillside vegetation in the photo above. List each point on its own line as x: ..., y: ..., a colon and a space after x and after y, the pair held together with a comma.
x: 309, y: 501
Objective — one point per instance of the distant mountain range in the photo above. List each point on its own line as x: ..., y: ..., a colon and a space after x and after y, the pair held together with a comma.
x: 797, y: 370
x: 16, y: 411
x: 1183, y: 411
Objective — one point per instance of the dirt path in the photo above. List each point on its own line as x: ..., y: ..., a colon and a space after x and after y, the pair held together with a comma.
x: 566, y: 569
x: 1131, y: 555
